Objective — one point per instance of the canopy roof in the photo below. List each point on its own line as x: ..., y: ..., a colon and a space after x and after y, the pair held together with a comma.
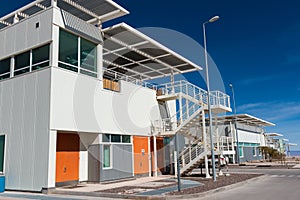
x: 247, y: 119
x: 128, y: 51
x: 273, y: 134
x: 88, y: 10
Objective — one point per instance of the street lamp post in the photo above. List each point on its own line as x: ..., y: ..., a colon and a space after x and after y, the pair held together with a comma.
x: 208, y: 99
x: 235, y: 126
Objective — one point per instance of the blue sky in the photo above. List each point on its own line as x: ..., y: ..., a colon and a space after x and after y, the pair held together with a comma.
x: 255, y: 45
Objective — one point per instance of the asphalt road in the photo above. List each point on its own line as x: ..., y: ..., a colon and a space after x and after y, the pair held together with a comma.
x: 279, y: 184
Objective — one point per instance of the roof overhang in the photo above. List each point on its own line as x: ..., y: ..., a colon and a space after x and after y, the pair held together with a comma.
x: 91, y: 11
x: 128, y: 51
x: 274, y: 134
x: 246, y: 119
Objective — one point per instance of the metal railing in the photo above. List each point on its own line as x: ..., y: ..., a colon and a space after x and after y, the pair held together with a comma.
x: 190, y: 155
x: 123, y: 77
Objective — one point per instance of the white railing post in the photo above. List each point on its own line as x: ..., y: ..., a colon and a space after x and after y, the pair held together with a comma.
x: 182, y: 160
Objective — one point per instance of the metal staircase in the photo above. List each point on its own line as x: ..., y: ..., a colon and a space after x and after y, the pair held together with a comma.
x: 192, y: 102
x: 191, y: 157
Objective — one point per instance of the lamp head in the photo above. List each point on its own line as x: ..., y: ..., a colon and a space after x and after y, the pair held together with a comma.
x: 230, y: 85
x: 215, y: 18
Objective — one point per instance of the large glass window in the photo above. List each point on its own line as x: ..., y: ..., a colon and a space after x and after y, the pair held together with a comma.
x: 5, y: 69
x: 68, y: 51
x: 106, y: 156
x: 40, y: 57
x: 22, y: 63
x: 2, y: 149
x: 88, y: 58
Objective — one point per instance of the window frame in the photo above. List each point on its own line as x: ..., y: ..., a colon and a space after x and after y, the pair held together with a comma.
x: 254, y: 152
x: 4, y: 153
x: 6, y: 73
x: 110, y: 157
x: 241, y: 151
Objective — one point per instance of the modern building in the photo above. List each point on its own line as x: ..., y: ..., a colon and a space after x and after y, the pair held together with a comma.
x: 76, y: 104
x: 251, y: 136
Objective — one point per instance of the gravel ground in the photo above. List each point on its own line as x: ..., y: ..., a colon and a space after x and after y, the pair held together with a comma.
x: 210, y: 185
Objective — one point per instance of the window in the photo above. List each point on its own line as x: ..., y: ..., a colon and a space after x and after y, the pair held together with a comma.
x: 116, y: 138
x: 40, y: 57
x: 88, y: 58
x: 22, y: 63
x: 126, y: 139
x: 68, y: 51
x: 107, y: 156
x: 254, y: 151
x: 107, y: 138
x: 241, y: 152
x: 5, y: 69
x: 75, y: 52
x: 2, y: 151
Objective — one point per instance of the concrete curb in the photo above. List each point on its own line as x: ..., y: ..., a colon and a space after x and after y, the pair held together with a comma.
x: 139, y: 197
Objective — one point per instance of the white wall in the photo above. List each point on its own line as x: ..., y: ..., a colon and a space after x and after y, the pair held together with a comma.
x: 250, y: 137
x: 24, y: 35
x: 79, y: 103
x: 24, y: 117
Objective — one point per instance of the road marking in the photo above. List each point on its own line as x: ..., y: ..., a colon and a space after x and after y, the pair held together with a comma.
x: 290, y: 176
x: 274, y: 176
x: 281, y: 176
x: 298, y: 176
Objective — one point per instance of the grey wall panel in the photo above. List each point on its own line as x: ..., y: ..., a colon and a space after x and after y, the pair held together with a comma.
x: 121, y: 163
x: 25, y: 115
x: 248, y: 155
x: 25, y: 35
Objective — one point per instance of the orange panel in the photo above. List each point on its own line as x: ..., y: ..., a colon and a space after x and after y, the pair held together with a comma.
x: 67, y: 157
x: 141, y: 162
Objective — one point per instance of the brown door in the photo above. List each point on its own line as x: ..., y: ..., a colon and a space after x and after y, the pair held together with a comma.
x: 67, y: 158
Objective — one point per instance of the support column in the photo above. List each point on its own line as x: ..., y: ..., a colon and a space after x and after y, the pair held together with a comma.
x: 52, y: 159
x: 149, y: 156
x: 172, y: 81
x: 54, y: 3
x: 155, y: 156
x: 205, y: 142
x: 217, y: 132
x: 54, y: 46
x: 180, y: 108
x: 100, y: 55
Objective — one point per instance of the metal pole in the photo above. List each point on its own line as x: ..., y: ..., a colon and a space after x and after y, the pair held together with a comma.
x: 178, y: 164
x: 209, y: 108
x: 235, y: 126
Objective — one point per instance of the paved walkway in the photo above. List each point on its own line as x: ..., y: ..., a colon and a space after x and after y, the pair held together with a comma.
x: 297, y: 166
x: 98, y: 187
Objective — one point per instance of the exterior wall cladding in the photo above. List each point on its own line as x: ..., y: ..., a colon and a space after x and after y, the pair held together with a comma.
x: 248, y: 154
x: 35, y: 106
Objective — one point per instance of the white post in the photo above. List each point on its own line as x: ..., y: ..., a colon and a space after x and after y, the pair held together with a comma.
x: 52, y: 159
x: 155, y: 156
x: 12, y: 66
x: 16, y: 18
x: 204, y: 143
x: 217, y: 132
x: 54, y: 3
x: 180, y: 108
x: 175, y: 162
x: 149, y: 156
x: 54, y: 46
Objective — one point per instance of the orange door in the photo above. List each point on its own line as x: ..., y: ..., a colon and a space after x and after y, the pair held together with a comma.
x: 67, y: 157
x: 141, y: 162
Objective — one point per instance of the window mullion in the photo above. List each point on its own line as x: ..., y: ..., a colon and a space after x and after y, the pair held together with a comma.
x: 79, y: 54
x: 30, y: 61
